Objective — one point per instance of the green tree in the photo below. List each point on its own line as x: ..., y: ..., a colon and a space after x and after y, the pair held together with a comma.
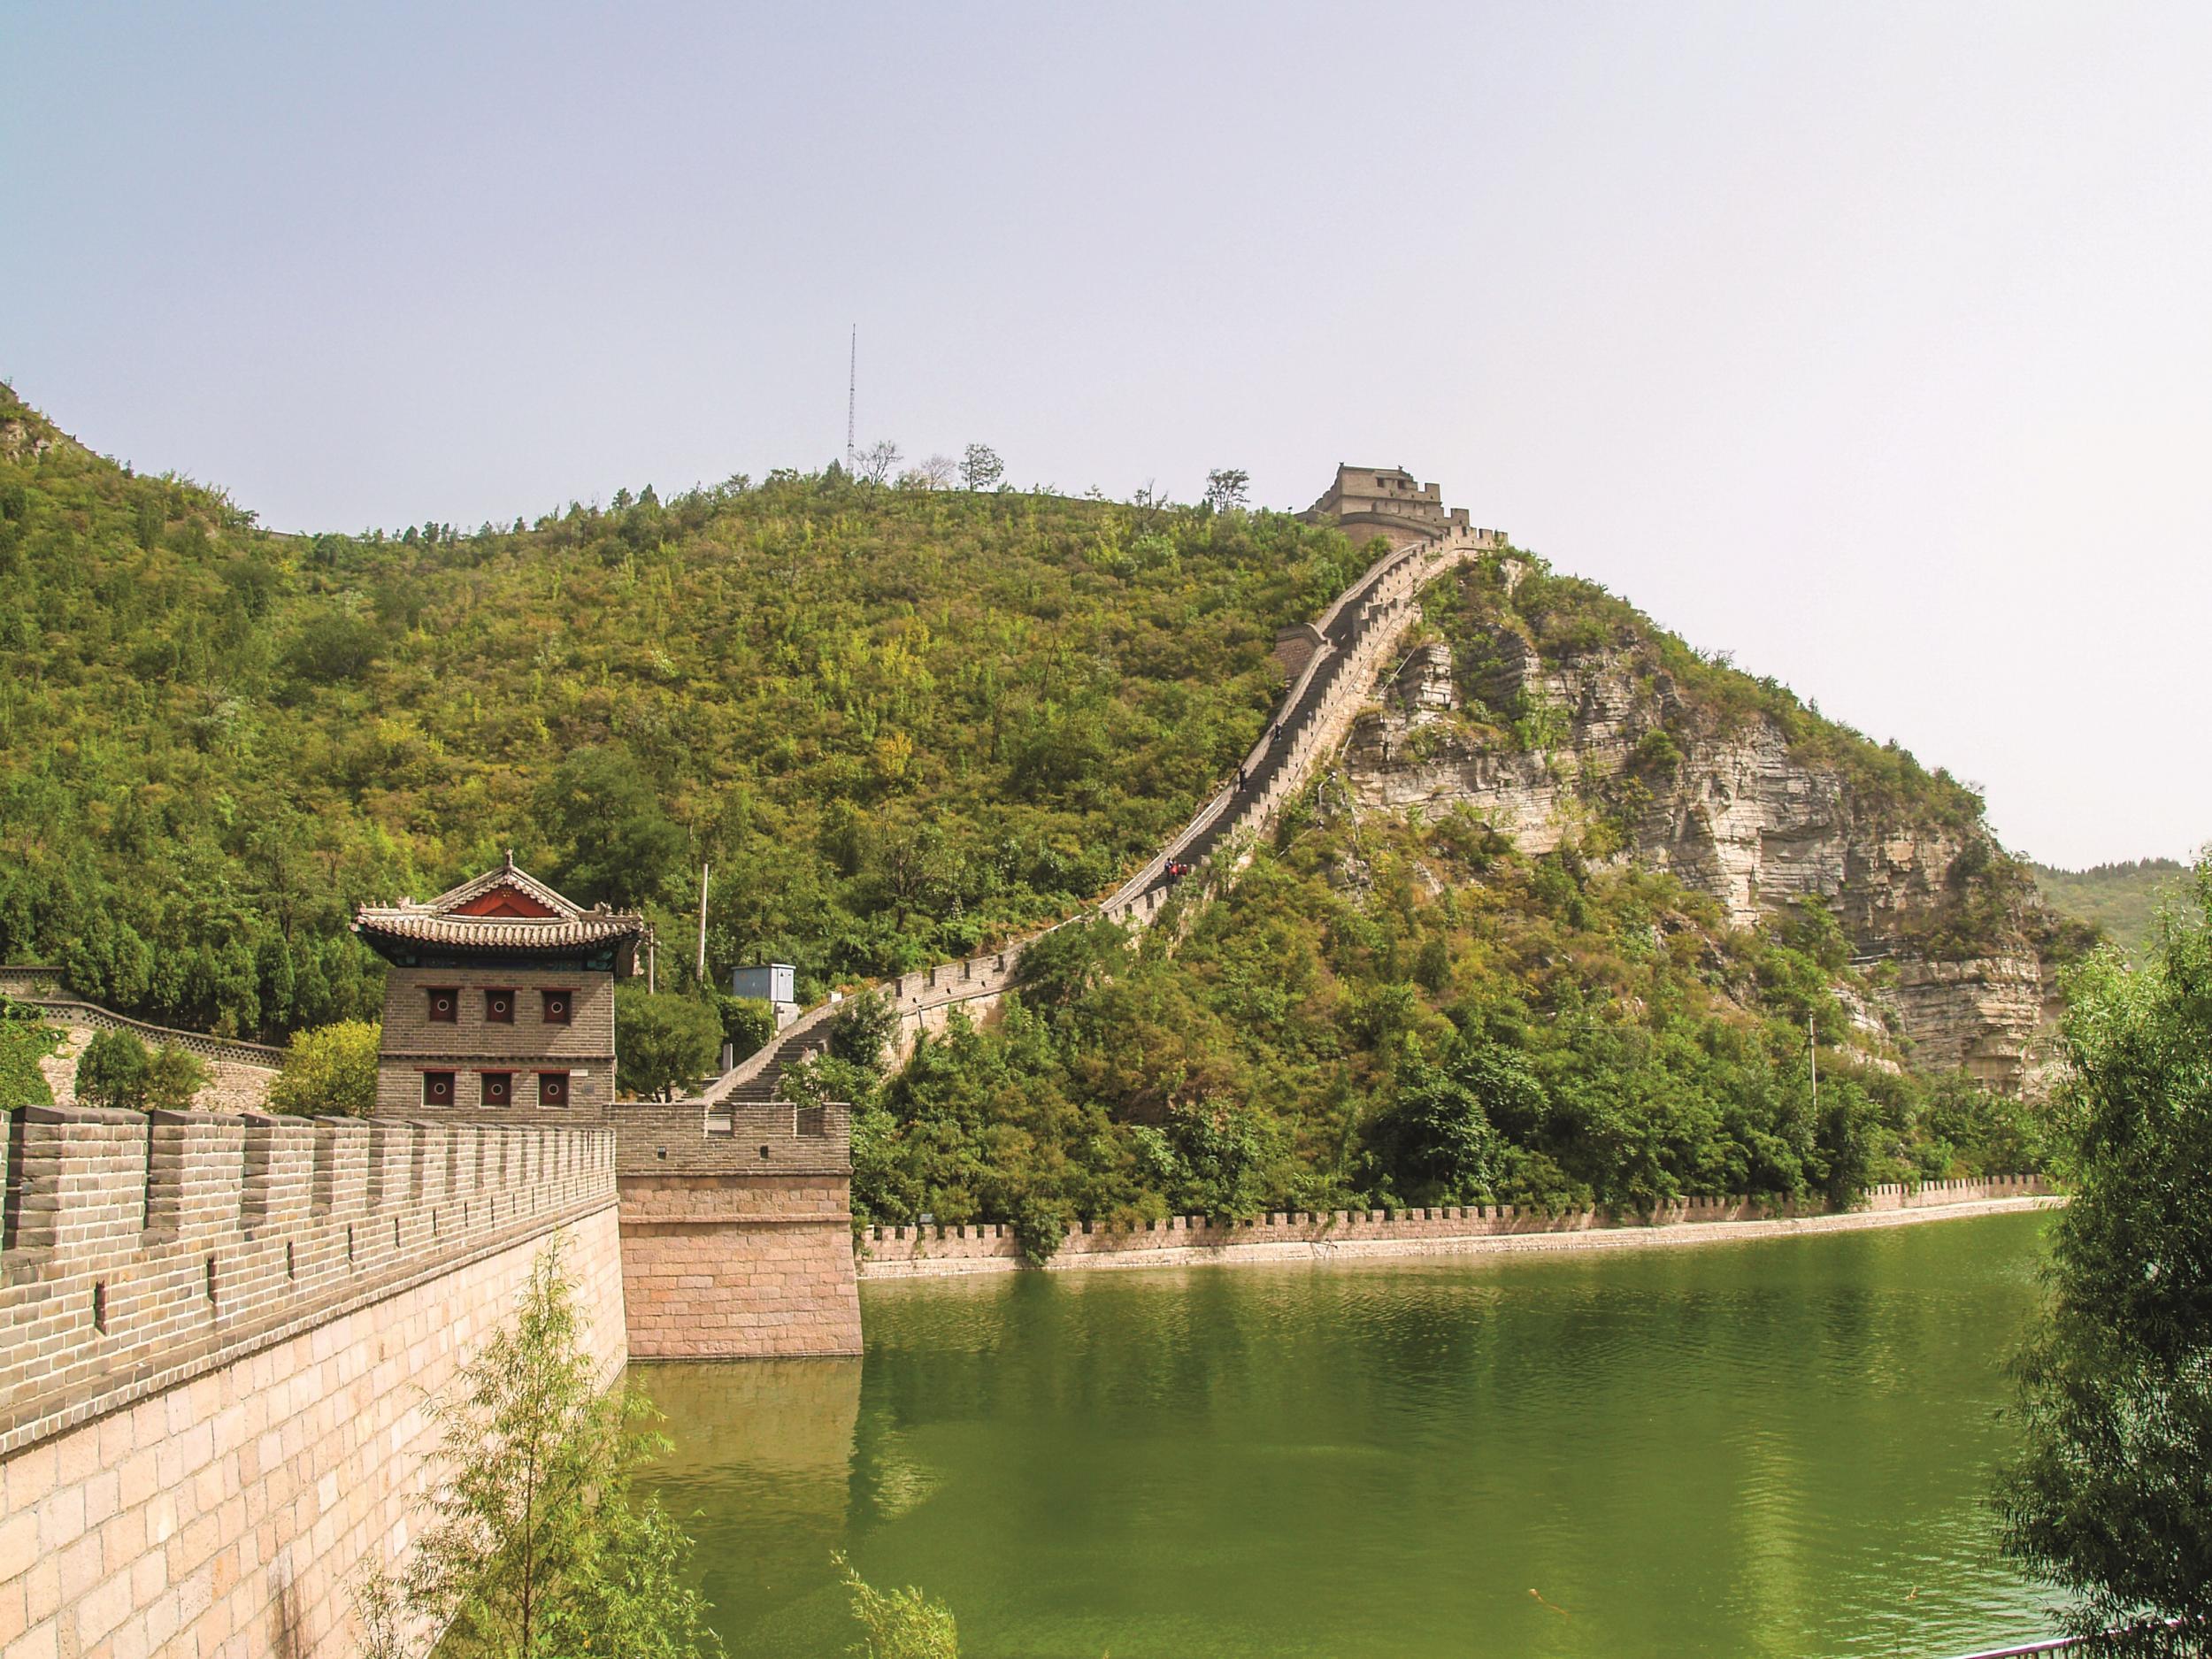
x: 1436, y: 1141
x: 24, y: 1040
x: 899, y: 1624
x: 112, y: 1072
x: 620, y: 848
x: 333, y: 648
x: 980, y: 467
x: 2112, y: 1499
x: 172, y: 1079
x: 662, y: 1042
x: 861, y: 1036
x: 533, y: 1545
x: 747, y: 1022
x: 329, y: 1071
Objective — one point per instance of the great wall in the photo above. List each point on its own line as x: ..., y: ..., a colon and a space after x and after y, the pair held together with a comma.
x: 220, y: 1326
x: 893, y: 1253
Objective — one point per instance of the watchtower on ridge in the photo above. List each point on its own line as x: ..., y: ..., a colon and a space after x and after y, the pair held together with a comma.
x: 1385, y: 501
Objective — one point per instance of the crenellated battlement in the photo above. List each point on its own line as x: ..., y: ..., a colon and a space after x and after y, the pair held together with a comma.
x: 138, y: 1250
x: 906, y: 1252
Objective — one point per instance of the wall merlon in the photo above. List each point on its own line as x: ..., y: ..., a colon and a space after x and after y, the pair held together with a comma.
x: 136, y: 1243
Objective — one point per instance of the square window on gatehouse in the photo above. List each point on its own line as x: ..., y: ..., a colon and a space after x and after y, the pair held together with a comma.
x: 437, y: 1088
x: 552, y: 1088
x: 499, y: 1088
x: 443, y: 1004
x: 560, y: 1007
x: 499, y: 1008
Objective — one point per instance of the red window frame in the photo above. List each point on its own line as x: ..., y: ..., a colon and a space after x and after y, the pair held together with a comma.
x: 497, y: 1088
x: 451, y: 995
x: 564, y: 1001
x: 437, y: 1088
x: 553, y: 1088
x: 499, y: 1006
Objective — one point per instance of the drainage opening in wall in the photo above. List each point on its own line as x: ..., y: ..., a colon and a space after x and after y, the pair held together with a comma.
x: 100, y: 1305
x: 764, y: 1152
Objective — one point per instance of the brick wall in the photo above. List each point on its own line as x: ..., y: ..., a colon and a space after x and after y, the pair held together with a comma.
x: 215, y: 1337
x: 747, y: 1266
x: 470, y: 1045
x: 913, y: 1252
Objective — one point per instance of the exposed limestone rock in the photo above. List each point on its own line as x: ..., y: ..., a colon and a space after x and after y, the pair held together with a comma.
x: 1982, y: 1015
x: 1604, y: 740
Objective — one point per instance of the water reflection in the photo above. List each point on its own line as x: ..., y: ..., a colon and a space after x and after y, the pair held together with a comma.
x: 1774, y: 1448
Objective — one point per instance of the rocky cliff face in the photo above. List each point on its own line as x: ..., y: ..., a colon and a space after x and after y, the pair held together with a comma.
x: 1603, y: 746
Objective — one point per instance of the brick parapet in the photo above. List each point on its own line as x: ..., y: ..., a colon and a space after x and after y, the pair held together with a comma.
x: 904, y: 1252
x: 139, y: 1249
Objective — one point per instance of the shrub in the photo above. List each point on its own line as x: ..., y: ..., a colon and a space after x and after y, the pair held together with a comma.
x: 112, y: 1072
x: 26, y: 1039
x: 172, y: 1079
x: 329, y: 1071
x: 748, y: 1023
x: 1039, y: 1228
x: 899, y: 1624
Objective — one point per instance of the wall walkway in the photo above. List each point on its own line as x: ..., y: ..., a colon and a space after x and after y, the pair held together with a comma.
x: 1357, y: 633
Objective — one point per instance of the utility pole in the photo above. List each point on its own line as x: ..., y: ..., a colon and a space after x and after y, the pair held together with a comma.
x: 703, y: 924
x: 1812, y: 1053
x: 852, y: 391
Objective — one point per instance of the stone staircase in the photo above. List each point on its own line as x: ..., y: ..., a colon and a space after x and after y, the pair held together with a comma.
x: 1358, y: 633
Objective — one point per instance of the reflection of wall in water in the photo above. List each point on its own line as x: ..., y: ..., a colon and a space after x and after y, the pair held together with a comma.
x: 770, y: 1439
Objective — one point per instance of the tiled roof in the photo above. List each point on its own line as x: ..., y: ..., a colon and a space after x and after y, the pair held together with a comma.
x: 504, y: 933
x: 506, y: 875
x: 570, y: 925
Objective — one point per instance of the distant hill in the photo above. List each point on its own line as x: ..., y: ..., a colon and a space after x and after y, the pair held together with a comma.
x: 2123, y: 898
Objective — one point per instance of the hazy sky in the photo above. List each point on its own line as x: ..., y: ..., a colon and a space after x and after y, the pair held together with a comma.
x: 1871, y: 343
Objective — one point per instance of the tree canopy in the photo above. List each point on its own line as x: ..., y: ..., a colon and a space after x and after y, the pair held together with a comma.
x: 2112, y: 1499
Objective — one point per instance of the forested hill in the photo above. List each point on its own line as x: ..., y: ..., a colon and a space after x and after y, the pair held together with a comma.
x: 901, y: 723
x: 2123, y: 899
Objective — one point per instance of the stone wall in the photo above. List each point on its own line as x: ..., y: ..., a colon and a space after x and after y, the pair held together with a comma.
x: 753, y: 1267
x: 922, y: 1252
x: 216, y: 1336
x: 238, y: 1074
x: 737, y: 1230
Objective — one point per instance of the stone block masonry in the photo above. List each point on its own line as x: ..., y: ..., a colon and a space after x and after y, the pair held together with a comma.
x: 238, y: 1074
x: 217, y: 1335
x: 1301, y: 1235
x: 739, y: 1244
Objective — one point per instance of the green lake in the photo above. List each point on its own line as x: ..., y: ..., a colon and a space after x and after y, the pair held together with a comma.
x: 1778, y: 1447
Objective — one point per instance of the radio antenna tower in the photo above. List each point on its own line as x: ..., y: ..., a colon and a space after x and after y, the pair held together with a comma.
x: 852, y: 388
